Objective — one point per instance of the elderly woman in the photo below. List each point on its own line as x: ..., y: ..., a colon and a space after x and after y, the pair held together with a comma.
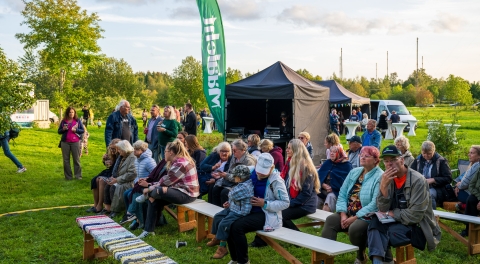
x: 181, y: 136
x: 364, y: 122
x: 382, y: 122
x: 144, y: 165
x: 402, y: 143
x: 71, y: 129
x: 305, y: 138
x: 270, y: 198
x: 167, y: 130
x: 332, y: 174
x: 435, y: 169
x: 217, y: 161
x: 126, y: 174
x: 223, y: 185
x: 357, y: 198
x: 266, y: 146
x: 253, y: 141
x: 179, y: 186
x: 465, y: 190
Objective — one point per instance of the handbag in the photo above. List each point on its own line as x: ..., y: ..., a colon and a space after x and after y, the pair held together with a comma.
x: 418, y: 238
x: 399, y: 234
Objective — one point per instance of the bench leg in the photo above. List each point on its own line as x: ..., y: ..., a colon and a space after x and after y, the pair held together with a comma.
x: 280, y: 250
x: 405, y: 255
x: 210, y: 224
x: 201, y: 232
x: 89, y: 250
x: 473, y: 239
x: 318, y: 258
x: 183, y: 224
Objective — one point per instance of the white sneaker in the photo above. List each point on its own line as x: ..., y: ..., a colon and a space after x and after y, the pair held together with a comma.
x: 144, y: 234
x: 232, y: 262
x: 21, y: 170
x: 141, y: 199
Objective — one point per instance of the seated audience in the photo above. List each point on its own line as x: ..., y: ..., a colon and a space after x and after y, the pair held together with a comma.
x: 305, y: 138
x: 371, y: 137
x: 355, y: 146
x: 266, y: 146
x: 198, y: 155
x: 403, y: 144
x: 253, y: 142
x: 217, y: 161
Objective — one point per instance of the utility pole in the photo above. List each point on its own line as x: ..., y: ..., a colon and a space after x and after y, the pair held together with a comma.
x: 416, y: 75
x: 387, y: 63
x: 341, y: 64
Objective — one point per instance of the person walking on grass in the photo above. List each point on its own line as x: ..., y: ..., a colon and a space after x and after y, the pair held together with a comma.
x: 4, y: 143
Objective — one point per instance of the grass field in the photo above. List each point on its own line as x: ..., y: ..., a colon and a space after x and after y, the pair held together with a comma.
x: 52, y: 236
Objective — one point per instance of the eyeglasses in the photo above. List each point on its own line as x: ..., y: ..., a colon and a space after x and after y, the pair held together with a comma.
x: 300, y: 137
x: 390, y: 160
x: 224, y: 151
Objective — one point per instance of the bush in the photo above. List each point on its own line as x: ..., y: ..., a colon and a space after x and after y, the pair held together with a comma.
x: 446, y: 141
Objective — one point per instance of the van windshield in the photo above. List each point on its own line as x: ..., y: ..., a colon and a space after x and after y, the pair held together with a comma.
x: 399, y: 109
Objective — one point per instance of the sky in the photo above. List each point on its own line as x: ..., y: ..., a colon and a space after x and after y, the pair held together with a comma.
x: 156, y: 35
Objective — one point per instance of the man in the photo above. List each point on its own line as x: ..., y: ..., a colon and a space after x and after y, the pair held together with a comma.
x: 286, y: 125
x: 355, y: 146
x: 86, y: 115
x: 177, y: 113
x: 334, y: 121
x: 395, y: 119
x: 353, y: 117
x: 121, y: 124
x: 151, y: 131
x: 404, y: 196
x: 190, y: 120
x: 359, y: 114
x: 203, y: 114
x: 372, y: 137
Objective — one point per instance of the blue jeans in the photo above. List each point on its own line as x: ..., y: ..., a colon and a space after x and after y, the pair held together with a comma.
x: 162, y: 151
x: 222, y: 222
x: 6, y: 150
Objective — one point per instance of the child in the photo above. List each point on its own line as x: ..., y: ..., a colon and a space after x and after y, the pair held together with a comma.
x: 238, y: 205
x: 84, y: 143
x: 99, y: 123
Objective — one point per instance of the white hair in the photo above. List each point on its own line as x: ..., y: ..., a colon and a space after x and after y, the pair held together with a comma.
x: 125, y: 146
x: 120, y: 104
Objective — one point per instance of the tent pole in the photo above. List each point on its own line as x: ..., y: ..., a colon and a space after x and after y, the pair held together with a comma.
x: 293, y: 118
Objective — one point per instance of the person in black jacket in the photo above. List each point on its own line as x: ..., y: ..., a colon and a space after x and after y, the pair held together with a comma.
x: 191, y: 120
x: 436, y: 170
x: 198, y: 154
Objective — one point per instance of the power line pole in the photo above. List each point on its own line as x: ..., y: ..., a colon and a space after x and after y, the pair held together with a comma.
x: 341, y: 64
x: 416, y: 75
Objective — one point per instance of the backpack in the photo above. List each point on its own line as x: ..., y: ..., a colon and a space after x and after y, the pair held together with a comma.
x: 14, y: 132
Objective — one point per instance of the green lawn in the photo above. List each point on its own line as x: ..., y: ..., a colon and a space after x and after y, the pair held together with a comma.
x: 52, y: 236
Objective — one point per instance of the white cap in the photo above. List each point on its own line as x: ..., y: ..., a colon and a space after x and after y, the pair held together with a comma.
x: 264, y: 163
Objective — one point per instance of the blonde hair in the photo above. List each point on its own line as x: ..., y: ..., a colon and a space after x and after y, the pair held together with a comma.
x: 301, y: 164
x: 254, y: 138
x: 140, y: 144
x: 222, y: 146
x: 179, y: 151
x: 403, y: 141
x: 333, y: 139
x: 266, y: 145
x: 305, y: 134
x: 173, y: 115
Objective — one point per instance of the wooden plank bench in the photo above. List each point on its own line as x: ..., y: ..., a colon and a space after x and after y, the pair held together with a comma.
x: 115, y: 240
x: 203, y: 212
x: 473, y: 242
x: 320, y: 216
x: 185, y: 217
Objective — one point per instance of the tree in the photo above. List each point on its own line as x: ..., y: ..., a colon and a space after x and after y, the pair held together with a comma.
x: 418, y: 79
x: 357, y: 88
x: 458, y: 90
x: 308, y: 75
x: 233, y: 75
x: 423, y: 97
x: 187, y: 84
x: 65, y: 35
x: 13, y: 96
x: 475, y: 90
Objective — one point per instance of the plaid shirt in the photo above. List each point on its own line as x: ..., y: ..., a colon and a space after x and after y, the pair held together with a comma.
x: 239, y: 197
x: 182, y: 176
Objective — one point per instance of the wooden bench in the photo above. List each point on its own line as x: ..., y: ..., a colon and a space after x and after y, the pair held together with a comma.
x: 115, y: 240
x: 185, y: 217
x: 203, y: 212
x: 473, y: 242
x: 320, y: 216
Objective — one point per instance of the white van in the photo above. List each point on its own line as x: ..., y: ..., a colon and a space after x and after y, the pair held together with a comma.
x: 377, y: 106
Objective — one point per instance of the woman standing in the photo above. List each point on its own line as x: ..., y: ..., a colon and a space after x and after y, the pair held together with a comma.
x: 167, y: 130
x: 179, y: 186
x: 382, y: 122
x: 357, y: 198
x: 217, y: 161
x: 71, y: 129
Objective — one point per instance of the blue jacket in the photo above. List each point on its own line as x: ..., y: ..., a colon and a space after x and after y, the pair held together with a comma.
x: 113, y: 128
x: 307, y: 198
x: 333, y: 119
x: 154, y: 136
x: 338, y: 172
x: 368, y: 193
x: 375, y: 139
x: 310, y: 149
x: 212, y: 159
x: 239, y: 198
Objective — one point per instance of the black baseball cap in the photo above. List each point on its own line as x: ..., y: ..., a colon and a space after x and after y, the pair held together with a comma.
x: 391, y: 150
x: 355, y: 139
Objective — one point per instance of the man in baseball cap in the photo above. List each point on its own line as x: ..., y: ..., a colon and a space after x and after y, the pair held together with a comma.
x: 355, y: 146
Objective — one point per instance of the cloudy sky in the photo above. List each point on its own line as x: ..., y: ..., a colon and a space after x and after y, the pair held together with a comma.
x: 156, y: 35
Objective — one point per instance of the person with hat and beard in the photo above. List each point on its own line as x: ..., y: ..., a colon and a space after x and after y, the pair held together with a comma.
x: 355, y: 146
x: 403, y: 196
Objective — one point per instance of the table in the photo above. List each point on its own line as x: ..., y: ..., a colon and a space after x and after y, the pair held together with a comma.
x: 388, y: 134
x: 412, y: 124
x: 208, y: 128
x: 352, y: 127
x: 399, y: 127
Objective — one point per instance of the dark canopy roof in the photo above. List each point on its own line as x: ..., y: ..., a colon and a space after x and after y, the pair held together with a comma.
x: 340, y: 95
x: 276, y: 82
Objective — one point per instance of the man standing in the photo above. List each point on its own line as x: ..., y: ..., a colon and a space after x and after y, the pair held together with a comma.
x: 86, y: 115
x: 403, y: 196
x: 359, y: 114
x: 121, y: 124
x: 190, y: 120
x: 395, y: 119
x: 334, y: 121
x: 355, y: 146
x: 372, y: 137
x: 151, y: 132
x: 203, y: 114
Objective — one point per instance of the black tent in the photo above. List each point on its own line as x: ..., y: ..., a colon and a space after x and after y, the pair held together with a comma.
x: 257, y: 101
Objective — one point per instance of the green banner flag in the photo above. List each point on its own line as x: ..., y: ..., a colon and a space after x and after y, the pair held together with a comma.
x: 213, y: 60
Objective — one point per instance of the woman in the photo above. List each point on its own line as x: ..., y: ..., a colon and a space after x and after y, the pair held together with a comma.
x: 253, y: 141
x: 144, y: 165
x: 197, y: 153
x: 464, y: 187
x: 270, y: 198
x: 436, y: 170
x: 179, y: 186
x: 331, y: 140
x: 217, y: 161
x: 223, y: 185
x: 181, y: 136
x: 382, y: 122
x: 167, y: 130
x: 302, y: 183
x: 403, y: 144
x: 98, y: 183
x: 332, y: 174
x: 144, y: 117
x: 364, y: 122
x: 71, y: 129
x: 357, y: 197
x: 305, y: 138
x: 126, y: 175
x: 266, y: 146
